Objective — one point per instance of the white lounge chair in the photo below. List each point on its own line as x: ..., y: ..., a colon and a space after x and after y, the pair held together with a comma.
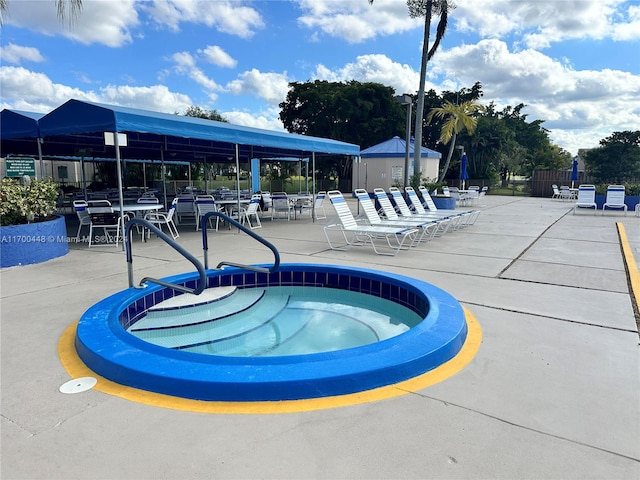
x: 459, y: 218
x: 353, y: 233
x: 615, y: 198
x: 429, y: 227
x: 454, y: 218
x: 469, y: 216
x: 586, y: 198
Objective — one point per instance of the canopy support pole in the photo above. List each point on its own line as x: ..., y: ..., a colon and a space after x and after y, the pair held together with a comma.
x: 39, y: 142
x: 116, y: 145
x: 313, y: 187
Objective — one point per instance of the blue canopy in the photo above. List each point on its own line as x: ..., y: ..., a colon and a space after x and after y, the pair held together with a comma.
x: 395, y: 148
x: 188, y: 137
x: 19, y: 124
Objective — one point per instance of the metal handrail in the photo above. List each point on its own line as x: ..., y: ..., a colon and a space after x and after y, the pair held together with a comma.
x: 169, y: 241
x: 248, y: 231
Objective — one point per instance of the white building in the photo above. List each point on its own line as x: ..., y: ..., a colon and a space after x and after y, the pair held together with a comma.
x: 382, y: 165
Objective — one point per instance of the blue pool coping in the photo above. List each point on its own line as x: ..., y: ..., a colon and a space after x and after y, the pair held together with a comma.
x: 103, y: 344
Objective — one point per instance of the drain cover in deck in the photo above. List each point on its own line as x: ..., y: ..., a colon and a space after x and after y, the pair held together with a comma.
x: 78, y: 385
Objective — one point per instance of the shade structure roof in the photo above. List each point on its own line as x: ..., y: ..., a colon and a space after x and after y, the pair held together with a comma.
x: 19, y: 124
x: 78, y: 125
x: 395, y: 148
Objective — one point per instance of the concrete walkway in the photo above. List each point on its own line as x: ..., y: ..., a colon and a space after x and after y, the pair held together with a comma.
x: 554, y: 391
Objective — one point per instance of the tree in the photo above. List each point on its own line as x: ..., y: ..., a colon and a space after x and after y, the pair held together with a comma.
x: 194, y: 111
x: 617, y: 159
x: 456, y: 119
x: 431, y: 130
x: 74, y: 7
x: 426, y: 9
x: 354, y: 112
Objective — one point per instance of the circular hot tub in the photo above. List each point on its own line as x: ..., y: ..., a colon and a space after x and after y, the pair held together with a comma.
x: 105, y: 345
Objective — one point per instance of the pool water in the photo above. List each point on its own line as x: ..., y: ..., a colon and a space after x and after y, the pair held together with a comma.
x: 272, y: 321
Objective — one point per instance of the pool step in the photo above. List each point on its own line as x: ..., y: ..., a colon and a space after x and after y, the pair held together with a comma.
x: 206, y: 326
x: 218, y: 305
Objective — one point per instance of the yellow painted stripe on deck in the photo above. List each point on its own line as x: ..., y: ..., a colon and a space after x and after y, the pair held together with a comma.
x: 632, y: 266
x: 76, y: 369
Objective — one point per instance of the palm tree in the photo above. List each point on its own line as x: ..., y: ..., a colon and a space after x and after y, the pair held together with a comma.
x: 457, y: 118
x: 426, y: 9
x: 61, y: 5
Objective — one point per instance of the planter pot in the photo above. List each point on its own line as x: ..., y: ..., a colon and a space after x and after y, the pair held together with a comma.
x: 444, y: 203
x: 33, y: 242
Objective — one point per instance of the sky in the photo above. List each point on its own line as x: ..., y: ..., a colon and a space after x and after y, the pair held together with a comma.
x: 574, y: 63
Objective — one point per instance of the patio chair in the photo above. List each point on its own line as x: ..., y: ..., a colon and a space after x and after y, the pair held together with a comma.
x: 81, y: 209
x: 151, y: 199
x: 556, y: 192
x: 396, y: 238
x: 280, y: 205
x: 105, y: 218
x: 304, y: 203
x: 428, y: 227
x: 566, y: 193
x: 165, y: 218
x: 637, y: 209
x: 205, y: 204
x: 481, y: 194
x: 185, y: 207
x: 252, y: 211
x: 586, y: 198
x: 318, y: 207
x: 615, y: 198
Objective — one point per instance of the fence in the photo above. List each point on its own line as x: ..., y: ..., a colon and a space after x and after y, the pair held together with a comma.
x: 542, y: 181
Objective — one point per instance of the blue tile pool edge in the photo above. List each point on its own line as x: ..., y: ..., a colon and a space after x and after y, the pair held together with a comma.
x: 106, y: 348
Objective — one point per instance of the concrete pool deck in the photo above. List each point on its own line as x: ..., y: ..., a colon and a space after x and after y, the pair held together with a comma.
x: 553, y: 392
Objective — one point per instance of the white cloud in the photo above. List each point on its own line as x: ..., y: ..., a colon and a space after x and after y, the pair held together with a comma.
x: 272, y: 87
x: 107, y: 23
x: 542, y: 23
x: 356, y: 21
x: 216, y: 55
x: 538, y: 23
x: 231, y: 17
x: 631, y: 29
x: 185, y: 64
x: 267, y: 121
x: 574, y: 100
x: 156, y: 97
x: 374, y: 68
x: 32, y: 91
x: 16, y: 54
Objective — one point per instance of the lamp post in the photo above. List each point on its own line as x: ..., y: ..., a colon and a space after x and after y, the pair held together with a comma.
x: 406, y: 100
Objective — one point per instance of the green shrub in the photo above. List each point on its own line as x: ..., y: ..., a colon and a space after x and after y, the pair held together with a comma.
x: 27, y: 203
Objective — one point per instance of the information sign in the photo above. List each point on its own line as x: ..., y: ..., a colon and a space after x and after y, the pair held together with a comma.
x: 20, y: 166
